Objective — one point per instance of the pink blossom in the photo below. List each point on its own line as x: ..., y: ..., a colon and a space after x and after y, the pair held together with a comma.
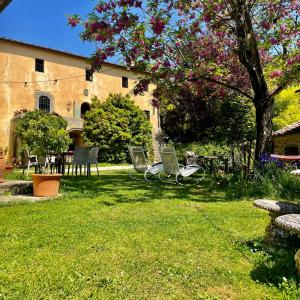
x: 282, y: 27
x: 206, y: 18
x: 73, y: 21
x: 298, y: 43
x: 276, y: 73
x: 266, y: 25
x: 273, y: 41
x: 158, y: 25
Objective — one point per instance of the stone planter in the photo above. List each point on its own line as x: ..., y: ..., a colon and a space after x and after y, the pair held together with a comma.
x: 46, y: 185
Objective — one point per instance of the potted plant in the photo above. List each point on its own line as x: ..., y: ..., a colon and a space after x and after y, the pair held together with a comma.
x: 45, y: 135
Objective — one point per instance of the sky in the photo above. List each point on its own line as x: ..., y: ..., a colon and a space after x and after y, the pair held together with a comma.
x: 44, y: 22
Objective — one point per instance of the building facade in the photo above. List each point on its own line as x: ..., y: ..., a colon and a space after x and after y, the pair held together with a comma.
x: 286, y: 141
x: 35, y: 77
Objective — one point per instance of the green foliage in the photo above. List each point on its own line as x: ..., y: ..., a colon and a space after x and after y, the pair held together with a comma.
x: 271, y: 181
x: 43, y: 133
x: 115, y: 124
x: 286, y: 108
x: 188, y: 118
x: 202, y: 149
x: 236, y: 121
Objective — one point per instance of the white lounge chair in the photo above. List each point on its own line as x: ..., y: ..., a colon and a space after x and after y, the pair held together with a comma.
x: 140, y: 164
x: 173, y: 168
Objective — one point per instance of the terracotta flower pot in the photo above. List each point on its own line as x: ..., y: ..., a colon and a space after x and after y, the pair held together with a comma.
x: 46, y: 185
x: 2, y: 167
x: 8, y: 169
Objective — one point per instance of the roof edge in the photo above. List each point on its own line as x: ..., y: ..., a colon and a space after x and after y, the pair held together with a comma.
x: 66, y: 53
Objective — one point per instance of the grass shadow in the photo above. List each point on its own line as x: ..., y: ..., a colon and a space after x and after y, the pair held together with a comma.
x: 117, y: 185
x: 273, y: 265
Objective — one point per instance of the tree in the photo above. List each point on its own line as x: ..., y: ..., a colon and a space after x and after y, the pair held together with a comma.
x: 115, y: 124
x: 236, y: 121
x: 186, y: 117
x: 43, y: 133
x: 228, y: 45
x: 286, y: 108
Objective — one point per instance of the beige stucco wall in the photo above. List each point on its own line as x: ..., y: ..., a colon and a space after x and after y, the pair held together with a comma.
x: 17, y: 64
x: 280, y: 142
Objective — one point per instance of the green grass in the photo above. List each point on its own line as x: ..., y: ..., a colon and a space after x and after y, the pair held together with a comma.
x: 111, y: 238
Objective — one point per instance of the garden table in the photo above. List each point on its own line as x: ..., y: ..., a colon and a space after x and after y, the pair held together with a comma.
x: 63, y: 160
x: 286, y: 157
x: 213, y: 158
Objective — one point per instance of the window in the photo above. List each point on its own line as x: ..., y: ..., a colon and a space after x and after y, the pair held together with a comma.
x: 125, y: 82
x: 39, y: 65
x: 44, y: 103
x: 84, y: 108
x: 147, y: 114
x: 88, y: 75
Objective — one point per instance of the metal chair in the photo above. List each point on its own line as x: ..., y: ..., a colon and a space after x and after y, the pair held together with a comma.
x: 94, y: 158
x: 51, y: 161
x: 81, y: 158
x: 173, y: 168
x: 140, y: 164
x: 30, y: 160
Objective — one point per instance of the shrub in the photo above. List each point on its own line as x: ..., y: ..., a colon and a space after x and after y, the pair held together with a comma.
x: 202, y: 149
x: 270, y: 180
x: 114, y: 125
x: 43, y: 133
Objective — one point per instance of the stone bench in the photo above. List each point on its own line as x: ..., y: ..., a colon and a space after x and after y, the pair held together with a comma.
x: 276, y: 234
x: 291, y: 223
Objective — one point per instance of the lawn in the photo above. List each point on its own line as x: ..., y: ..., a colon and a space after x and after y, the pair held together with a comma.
x: 111, y: 238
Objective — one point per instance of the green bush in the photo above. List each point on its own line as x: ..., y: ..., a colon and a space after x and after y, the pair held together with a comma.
x: 202, y: 149
x: 115, y: 124
x: 43, y: 133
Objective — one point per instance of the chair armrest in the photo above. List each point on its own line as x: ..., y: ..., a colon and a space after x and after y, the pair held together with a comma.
x: 192, y: 166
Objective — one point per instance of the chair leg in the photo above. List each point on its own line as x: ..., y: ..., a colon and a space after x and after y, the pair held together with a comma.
x: 27, y: 170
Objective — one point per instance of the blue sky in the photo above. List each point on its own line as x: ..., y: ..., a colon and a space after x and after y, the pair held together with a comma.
x: 44, y: 22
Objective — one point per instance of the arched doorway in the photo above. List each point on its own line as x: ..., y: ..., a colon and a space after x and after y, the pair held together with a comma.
x: 77, y: 138
x: 85, y: 106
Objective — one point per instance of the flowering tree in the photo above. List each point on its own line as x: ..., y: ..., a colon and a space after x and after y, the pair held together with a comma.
x: 245, y: 47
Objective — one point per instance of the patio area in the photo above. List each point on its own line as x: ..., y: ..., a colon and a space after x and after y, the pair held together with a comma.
x: 109, y: 237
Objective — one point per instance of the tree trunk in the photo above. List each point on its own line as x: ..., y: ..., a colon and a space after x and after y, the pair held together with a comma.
x: 263, y: 127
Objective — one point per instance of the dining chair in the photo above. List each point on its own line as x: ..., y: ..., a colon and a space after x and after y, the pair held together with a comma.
x: 81, y: 158
x: 94, y: 158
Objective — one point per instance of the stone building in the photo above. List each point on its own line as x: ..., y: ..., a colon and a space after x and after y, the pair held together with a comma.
x: 286, y: 141
x: 36, y: 77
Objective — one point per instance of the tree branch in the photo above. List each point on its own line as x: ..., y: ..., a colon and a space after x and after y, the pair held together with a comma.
x: 222, y: 84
